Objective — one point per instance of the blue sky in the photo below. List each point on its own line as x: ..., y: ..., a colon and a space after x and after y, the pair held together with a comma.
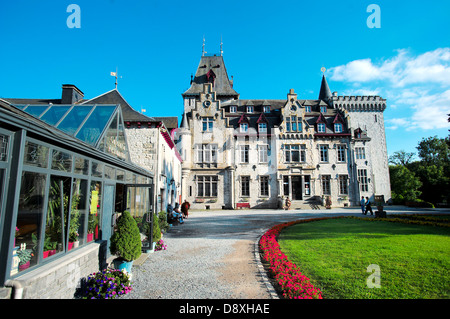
x: 269, y: 47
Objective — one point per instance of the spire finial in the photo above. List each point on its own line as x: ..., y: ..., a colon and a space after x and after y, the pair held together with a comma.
x: 323, y: 70
x: 203, y: 47
x: 221, y: 44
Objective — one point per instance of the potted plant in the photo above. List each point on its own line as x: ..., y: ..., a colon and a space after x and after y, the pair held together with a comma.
x: 49, y: 247
x: 92, y: 227
x: 24, y: 258
x: 126, y: 242
x: 73, y: 240
x: 74, y: 223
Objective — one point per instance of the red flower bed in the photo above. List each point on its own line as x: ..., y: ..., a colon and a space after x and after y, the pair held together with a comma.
x: 293, y: 284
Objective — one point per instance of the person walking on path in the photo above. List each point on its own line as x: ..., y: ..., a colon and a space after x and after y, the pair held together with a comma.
x: 368, y: 207
x: 363, y: 204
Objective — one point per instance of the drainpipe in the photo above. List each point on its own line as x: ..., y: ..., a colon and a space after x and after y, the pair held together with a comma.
x: 17, y: 288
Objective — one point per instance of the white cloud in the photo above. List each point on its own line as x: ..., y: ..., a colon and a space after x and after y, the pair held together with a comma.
x: 393, y: 124
x: 401, y: 70
x: 417, y: 85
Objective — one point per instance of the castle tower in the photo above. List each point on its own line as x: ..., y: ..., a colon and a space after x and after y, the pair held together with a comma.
x: 368, y: 146
x: 211, y: 69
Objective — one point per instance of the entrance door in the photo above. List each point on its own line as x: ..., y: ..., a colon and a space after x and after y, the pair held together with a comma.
x: 296, y: 186
x: 108, y: 211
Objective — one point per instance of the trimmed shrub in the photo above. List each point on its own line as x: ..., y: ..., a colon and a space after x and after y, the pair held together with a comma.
x: 126, y: 240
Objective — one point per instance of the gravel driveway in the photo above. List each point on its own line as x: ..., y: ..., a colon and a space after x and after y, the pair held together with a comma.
x: 212, y: 255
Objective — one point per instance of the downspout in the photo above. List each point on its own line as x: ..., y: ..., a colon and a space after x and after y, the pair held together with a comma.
x: 17, y: 289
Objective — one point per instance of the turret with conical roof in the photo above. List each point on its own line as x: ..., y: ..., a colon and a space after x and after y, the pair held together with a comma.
x: 325, y: 92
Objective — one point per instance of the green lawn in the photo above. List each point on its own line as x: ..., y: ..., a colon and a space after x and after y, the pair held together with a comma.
x: 414, y: 260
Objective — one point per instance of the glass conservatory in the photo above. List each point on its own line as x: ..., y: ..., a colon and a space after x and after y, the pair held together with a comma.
x: 64, y: 173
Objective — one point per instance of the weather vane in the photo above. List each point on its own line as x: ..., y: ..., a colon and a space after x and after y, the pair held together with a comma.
x: 116, y: 75
x: 323, y: 69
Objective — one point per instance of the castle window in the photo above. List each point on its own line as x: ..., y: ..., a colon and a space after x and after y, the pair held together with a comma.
x: 360, y: 153
x: 293, y: 124
x: 362, y: 179
x: 321, y: 127
x: 245, y: 186
x: 323, y: 109
x: 341, y: 153
x: 206, y: 153
x: 307, y: 108
x: 266, y: 109
x: 323, y: 150
x: 263, y: 153
x: 208, y: 124
x: 249, y: 109
x: 295, y: 153
x: 243, y: 127
x: 264, y: 185
x: 207, y: 186
x: 343, y: 184
x: 244, y: 150
x: 338, y: 128
x: 326, y: 187
x: 233, y: 109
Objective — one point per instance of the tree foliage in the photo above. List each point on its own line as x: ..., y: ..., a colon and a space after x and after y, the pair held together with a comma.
x: 428, y: 178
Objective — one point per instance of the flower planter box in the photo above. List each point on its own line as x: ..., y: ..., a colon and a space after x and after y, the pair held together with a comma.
x: 90, y: 237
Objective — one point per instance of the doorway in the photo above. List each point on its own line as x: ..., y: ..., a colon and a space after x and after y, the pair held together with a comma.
x: 296, y: 186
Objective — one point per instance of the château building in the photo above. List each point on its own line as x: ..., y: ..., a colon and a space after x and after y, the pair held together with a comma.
x: 255, y: 153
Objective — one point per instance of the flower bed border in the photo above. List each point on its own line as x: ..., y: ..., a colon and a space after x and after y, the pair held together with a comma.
x: 288, y: 279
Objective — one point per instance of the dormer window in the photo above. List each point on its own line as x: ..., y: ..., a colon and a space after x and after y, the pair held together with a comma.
x: 321, y: 127
x: 308, y: 109
x: 262, y: 127
x: 249, y: 109
x: 323, y: 109
x: 243, y: 127
x: 266, y: 109
x: 233, y: 109
x: 338, y: 124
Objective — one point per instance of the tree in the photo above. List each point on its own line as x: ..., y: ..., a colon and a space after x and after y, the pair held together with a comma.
x: 404, y: 184
x: 401, y: 158
x: 434, y: 150
x: 433, y: 169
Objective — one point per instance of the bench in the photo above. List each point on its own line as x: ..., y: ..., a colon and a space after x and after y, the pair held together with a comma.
x: 241, y: 205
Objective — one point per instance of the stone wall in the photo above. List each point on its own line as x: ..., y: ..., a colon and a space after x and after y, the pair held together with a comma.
x: 60, y: 278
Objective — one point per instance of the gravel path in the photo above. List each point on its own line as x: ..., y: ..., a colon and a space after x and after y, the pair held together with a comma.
x: 212, y: 255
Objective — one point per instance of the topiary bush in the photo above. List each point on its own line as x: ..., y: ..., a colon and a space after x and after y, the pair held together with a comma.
x: 126, y: 240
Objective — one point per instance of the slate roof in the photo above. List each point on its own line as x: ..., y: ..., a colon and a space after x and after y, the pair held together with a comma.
x: 325, y: 92
x: 222, y: 84
x: 114, y: 97
x: 170, y: 122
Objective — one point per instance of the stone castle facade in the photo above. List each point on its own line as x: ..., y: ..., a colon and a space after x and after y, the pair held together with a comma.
x: 257, y: 152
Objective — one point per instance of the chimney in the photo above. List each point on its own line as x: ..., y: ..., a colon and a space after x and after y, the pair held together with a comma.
x: 71, y: 94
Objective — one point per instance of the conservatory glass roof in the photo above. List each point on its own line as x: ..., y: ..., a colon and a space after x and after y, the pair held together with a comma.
x: 98, y: 125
